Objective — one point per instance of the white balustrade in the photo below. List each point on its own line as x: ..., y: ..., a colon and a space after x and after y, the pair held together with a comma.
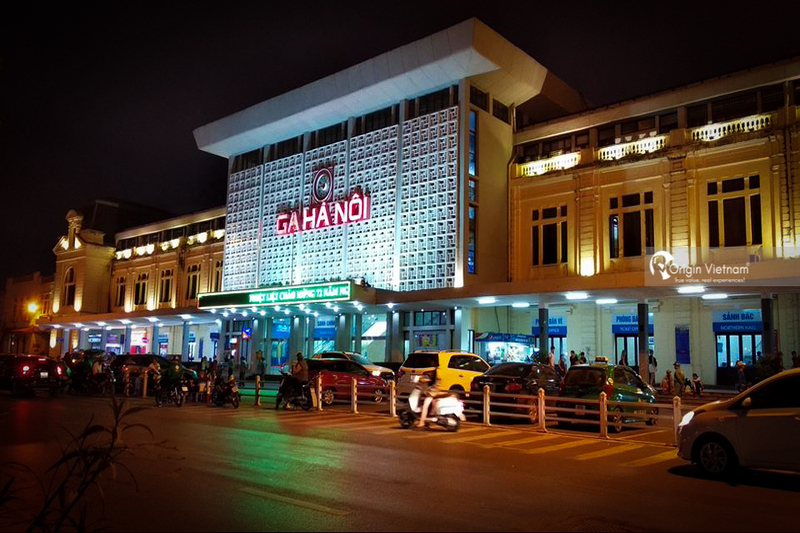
x: 647, y: 145
x: 543, y: 166
x: 713, y: 132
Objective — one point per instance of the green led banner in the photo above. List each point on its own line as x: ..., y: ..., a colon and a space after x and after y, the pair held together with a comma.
x: 319, y: 292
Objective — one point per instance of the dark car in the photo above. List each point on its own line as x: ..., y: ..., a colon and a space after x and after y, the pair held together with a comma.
x: 28, y: 373
x: 619, y: 382
x: 524, y: 379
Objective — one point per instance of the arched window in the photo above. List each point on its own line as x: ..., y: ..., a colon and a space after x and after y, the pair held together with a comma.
x: 69, y: 287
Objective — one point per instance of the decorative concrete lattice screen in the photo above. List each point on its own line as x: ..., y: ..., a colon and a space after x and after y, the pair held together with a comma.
x: 424, y: 248
x: 371, y: 244
x: 242, y: 229
x: 321, y: 256
x: 282, y: 183
x: 428, y: 201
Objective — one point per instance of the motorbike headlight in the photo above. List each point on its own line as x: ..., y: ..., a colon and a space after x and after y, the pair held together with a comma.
x: 686, y: 418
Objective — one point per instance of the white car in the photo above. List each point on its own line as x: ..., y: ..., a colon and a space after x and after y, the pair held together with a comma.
x: 759, y: 428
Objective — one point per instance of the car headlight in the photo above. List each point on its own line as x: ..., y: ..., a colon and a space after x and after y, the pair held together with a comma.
x: 376, y: 372
x: 686, y: 418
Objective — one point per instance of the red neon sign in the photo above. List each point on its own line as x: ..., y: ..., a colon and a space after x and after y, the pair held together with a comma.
x: 353, y: 209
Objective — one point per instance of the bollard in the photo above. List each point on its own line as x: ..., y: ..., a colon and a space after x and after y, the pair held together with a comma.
x: 540, y: 410
x: 676, y: 416
x: 354, y: 396
x: 318, y: 391
x: 258, y: 391
x: 603, y: 415
x: 126, y: 381
x: 486, y: 406
x: 144, y: 385
x: 392, y: 399
x: 208, y: 391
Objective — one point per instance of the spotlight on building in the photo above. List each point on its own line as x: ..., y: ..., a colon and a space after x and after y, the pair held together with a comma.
x: 487, y: 300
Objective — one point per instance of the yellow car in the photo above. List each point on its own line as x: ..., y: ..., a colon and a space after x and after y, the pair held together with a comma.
x: 454, y: 369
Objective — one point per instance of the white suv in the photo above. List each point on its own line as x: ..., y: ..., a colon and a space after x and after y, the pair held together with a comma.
x: 759, y: 428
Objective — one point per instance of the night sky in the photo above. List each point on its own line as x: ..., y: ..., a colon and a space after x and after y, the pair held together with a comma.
x: 100, y: 100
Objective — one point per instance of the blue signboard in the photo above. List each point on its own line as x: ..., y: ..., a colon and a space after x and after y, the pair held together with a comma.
x: 629, y: 325
x: 556, y: 326
x: 682, y: 346
x: 325, y: 328
x: 746, y: 321
x: 281, y: 330
x: 163, y: 338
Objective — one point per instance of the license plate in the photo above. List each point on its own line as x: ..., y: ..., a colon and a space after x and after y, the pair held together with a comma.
x: 44, y: 375
x: 185, y: 389
x: 581, y: 409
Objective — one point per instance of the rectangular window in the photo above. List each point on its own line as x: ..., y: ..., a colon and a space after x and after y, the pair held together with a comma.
x: 713, y: 224
x: 119, y: 293
x: 500, y: 111
x: 630, y: 200
x: 140, y: 289
x: 473, y: 190
x: 473, y: 143
x: 549, y: 244
x: 192, y: 281
x: 471, y: 252
x: 478, y: 98
x: 772, y: 98
x: 736, y: 184
x: 755, y: 218
x: 733, y: 222
x: 667, y: 122
x: 606, y: 136
x: 649, y: 232
x: 632, y: 234
x: 434, y: 102
x: 165, y: 286
x: 613, y: 236
x: 217, y: 276
x: 697, y: 115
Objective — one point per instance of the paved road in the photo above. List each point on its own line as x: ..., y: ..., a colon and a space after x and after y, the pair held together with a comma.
x: 257, y: 469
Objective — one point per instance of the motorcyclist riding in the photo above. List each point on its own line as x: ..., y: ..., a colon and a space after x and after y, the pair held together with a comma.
x: 429, y: 387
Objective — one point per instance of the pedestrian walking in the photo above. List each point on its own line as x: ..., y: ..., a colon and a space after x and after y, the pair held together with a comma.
x: 741, y: 380
x: 652, y: 368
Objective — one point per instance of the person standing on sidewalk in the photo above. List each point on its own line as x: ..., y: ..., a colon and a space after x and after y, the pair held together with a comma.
x: 680, y: 380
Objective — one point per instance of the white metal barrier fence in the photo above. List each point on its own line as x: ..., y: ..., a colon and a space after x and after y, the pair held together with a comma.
x: 611, y: 416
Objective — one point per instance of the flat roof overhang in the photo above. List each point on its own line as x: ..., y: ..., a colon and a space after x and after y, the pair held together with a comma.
x: 468, y: 49
x: 162, y: 317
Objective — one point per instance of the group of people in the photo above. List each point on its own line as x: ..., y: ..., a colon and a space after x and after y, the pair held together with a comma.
x: 679, y: 384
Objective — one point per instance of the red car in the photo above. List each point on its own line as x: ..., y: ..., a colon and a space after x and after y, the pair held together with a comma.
x: 337, y: 376
x: 23, y: 374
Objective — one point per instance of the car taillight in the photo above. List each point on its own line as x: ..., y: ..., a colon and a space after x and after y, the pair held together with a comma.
x: 513, y: 387
x: 26, y: 369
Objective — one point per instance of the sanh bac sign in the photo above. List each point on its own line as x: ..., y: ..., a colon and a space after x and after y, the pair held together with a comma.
x: 323, y: 212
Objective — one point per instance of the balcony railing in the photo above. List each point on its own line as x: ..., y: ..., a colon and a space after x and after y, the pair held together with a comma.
x: 640, y: 147
x: 712, y: 132
x: 543, y: 166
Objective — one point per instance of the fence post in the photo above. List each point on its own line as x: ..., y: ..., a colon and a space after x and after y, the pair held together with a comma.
x: 208, y: 391
x: 318, y: 391
x: 603, y: 415
x: 486, y: 406
x: 258, y: 391
x: 392, y: 399
x: 144, y: 385
x: 540, y: 410
x: 127, y: 381
x: 676, y: 416
x: 354, y: 396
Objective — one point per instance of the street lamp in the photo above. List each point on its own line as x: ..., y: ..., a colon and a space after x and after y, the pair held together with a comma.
x: 33, y: 307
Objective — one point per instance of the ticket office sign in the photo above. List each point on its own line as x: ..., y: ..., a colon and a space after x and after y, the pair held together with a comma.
x: 316, y: 293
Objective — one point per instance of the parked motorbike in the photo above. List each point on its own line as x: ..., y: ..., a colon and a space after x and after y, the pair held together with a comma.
x: 226, y: 392
x: 293, y: 395
x: 91, y: 385
x: 175, y: 393
x: 446, y: 411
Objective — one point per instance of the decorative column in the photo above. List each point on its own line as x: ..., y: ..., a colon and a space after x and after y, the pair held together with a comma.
x: 185, y: 341
x: 358, y: 323
x: 127, y: 347
x: 312, y: 322
x: 544, y: 332
x: 394, y: 336
x: 154, y: 344
x: 297, y: 336
x: 768, y: 327
x: 344, y: 332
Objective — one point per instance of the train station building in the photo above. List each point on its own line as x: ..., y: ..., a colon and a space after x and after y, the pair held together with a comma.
x: 455, y: 194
